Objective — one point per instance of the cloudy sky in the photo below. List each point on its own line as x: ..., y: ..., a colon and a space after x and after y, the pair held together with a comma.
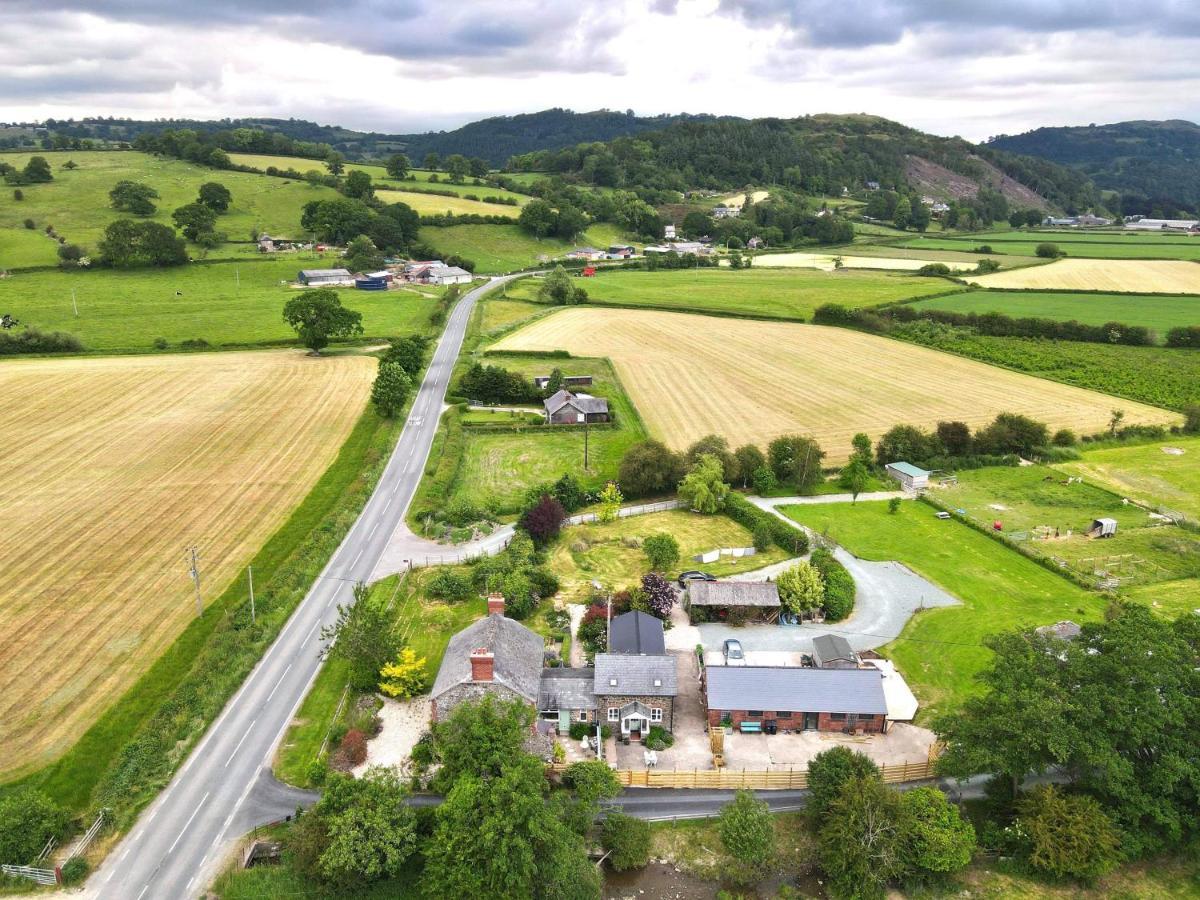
x: 969, y: 67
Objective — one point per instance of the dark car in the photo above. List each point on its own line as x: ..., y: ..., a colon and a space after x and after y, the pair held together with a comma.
x: 694, y: 575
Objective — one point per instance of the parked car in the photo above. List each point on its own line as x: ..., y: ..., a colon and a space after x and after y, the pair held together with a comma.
x: 733, y: 653
x: 694, y: 575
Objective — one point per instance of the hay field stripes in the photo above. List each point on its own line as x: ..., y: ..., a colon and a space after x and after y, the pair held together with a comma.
x: 1119, y: 275
x: 691, y: 375
x: 427, y: 204
x: 114, y: 466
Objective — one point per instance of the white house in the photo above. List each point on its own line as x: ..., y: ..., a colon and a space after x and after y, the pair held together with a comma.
x: 669, y: 232
x: 910, y: 477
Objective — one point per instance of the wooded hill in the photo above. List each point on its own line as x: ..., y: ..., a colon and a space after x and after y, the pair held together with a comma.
x: 1155, y: 161
x: 817, y: 154
x: 494, y: 139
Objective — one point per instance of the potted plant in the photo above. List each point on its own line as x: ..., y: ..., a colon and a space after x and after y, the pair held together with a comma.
x: 727, y: 724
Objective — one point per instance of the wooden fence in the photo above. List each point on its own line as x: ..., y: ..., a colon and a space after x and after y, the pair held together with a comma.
x: 761, y: 780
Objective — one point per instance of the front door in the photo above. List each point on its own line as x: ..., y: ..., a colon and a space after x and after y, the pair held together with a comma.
x: 811, y: 721
x: 564, y: 721
x: 634, y: 726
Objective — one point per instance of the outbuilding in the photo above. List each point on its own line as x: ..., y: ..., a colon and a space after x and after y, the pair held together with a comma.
x: 911, y: 478
x: 449, y: 275
x: 638, y: 633
x: 566, y: 408
x: 325, y: 277
x: 736, y: 601
x: 787, y: 698
x: 832, y: 651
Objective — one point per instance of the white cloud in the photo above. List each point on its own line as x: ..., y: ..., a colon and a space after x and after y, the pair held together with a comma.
x: 941, y: 65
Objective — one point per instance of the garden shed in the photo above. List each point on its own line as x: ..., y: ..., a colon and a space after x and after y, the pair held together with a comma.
x: 911, y: 478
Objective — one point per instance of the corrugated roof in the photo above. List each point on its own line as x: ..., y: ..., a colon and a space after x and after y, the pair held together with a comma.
x: 733, y: 593
x: 793, y: 689
x: 518, y: 656
x: 636, y: 632
x: 325, y: 273
x: 567, y: 689
x: 907, y: 469
x: 652, y: 676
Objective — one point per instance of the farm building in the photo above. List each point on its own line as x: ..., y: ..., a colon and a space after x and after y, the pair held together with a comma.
x: 620, y: 251
x: 911, y: 477
x: 449, y: 275
x: 566, y: 408
x: 636, y: 692
x: 495, y: 655
x: 1144, y: 224
x: 784, y: 698
x: 832, y: 651
x: 541, y: 381
x: 589, y: 253
x: 734, y: 600
x: 726, y: 212
x: 325, y: 277
x: 638, y: 633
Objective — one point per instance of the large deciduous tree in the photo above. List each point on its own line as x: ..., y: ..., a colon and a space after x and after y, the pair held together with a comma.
x: 704, y: 486
x: 194, y: 220
x: 133, y: 197
x: 544, y: 520
x: 801, y: 588
x: 215, y: 196
x: 391, y: 388
x: 796, y: 460
x: 397, y: 165
x: 319, y: 317
x: 649, y: 467
x: 364, y: 637
x: 748, y: 835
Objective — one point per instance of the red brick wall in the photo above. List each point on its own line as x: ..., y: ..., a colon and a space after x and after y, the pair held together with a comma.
x: 868, y: 724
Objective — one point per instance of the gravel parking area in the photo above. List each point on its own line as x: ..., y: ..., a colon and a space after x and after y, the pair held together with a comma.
x: 903, y: 743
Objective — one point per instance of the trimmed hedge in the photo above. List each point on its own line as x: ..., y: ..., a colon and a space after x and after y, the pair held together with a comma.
x: 750, y: 517
x: 839, y: 585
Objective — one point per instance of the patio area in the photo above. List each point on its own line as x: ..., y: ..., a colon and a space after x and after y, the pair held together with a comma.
x: 761, y: 752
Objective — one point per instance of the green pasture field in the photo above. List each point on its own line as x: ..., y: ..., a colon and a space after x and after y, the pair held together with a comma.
x: 1075, y: 236
x: 1146, y: 473
x: 952, y: 255
x: 1024, y: 498
x: 940, y: 651
x: 1107, y: 246
x: 1155, y: 375
x: 1149, y: 310
x: 437, y: 205
x: 76, y: 202
x: 598, y: 552
x: 22, y: 248
x: 499, y: 467
x: 771, y: 293
x: 420, y: 177
x: 1168, y: 598
x: 500, y: 313
x: 223, y: 303
x: 505, y: 248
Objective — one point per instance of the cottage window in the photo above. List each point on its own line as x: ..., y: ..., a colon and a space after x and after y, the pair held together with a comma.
x: 837, y: 717
x: 754, y: 714
x: 583, y: 717
x: 655, y: 714
x: 613, y: 714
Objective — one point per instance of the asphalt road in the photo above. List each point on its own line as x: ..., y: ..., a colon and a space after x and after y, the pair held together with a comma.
x: 174, y: 848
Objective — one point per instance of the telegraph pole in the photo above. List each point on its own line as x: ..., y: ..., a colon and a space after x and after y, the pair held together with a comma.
x: 250, y: 575
x: 194, y: 571
x: 585, y: 442
x: 74, y: 304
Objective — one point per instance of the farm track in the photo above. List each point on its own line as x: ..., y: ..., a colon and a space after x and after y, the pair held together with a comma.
x: 692, y: 375
x: 114, y: 467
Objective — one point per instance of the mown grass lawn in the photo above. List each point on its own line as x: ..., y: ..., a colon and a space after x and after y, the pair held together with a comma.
x: 505, y: 248
x: 940, y: 651
x: 499, y: 467
x: 76, y: 202
x: 600, y: 552
x: 775, y: 293
x: 1150, y: 311
x: 222, y: 303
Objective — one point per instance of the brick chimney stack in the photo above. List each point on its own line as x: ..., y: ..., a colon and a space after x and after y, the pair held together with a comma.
x: 482, y: 664
x: 495, y: 604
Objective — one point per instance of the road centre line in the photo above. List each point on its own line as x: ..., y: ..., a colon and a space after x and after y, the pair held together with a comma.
x: 239, y: 744
x: 185, y: 826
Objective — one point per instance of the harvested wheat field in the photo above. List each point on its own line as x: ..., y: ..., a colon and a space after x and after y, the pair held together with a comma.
x: 826, y: 261
x: 739, y: 200
x: 692, y: 375
x: 1134, y: 276
x: 112, y: 468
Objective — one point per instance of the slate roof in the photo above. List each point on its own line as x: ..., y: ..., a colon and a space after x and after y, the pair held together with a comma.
x: 794, y: 689
x: 733, y: 593
x: 567, y: 689
x: 518, y: 656
x: 829, y: 647
x: 650, y: 676
x: 585, y: 403
x: 636, y: 632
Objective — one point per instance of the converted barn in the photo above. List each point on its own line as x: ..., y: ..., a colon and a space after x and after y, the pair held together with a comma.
x: 566, y: 408
x: 779, y: 698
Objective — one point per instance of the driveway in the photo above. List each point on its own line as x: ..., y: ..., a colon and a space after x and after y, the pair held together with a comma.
x: 758, y: 752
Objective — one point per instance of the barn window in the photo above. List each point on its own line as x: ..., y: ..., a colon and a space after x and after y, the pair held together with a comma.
x: 837, y: 717
x: 754, y: 713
